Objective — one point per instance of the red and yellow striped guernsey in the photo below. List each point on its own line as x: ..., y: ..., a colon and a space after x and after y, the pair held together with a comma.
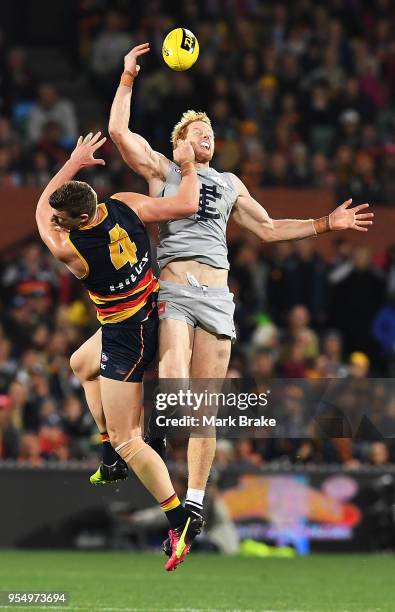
x: 116, y: 254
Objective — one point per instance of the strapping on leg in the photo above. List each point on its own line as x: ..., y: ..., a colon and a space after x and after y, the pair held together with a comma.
x: 129, y: 449
x: 118, y: 448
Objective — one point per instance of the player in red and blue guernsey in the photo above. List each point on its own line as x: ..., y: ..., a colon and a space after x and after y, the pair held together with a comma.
x: 107, y: 247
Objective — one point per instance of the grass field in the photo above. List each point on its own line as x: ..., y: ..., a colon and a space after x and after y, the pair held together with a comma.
x: 122, y: 581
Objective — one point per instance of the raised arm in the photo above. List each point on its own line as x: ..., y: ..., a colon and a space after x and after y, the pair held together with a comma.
x: 134, y: 149
x: 54, y: 237
x: 251, y: 215
x: 183, y: 204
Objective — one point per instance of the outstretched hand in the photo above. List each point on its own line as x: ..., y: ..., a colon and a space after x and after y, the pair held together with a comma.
x: 85, y: 149
x: 130, y: 60
x: 344, y: 217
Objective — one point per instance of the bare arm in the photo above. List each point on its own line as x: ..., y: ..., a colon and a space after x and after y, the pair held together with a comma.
x: 183, y: 204
x: 56, y: 238
x: 251, y: 215
x: 134, y: 149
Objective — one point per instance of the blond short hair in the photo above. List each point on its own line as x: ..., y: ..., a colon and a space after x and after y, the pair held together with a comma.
x: 181, y: 127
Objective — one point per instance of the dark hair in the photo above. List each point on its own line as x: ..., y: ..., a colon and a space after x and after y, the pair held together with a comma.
x: 75, y: 198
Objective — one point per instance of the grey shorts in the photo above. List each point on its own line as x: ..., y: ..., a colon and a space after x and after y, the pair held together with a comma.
x: 205, y: 307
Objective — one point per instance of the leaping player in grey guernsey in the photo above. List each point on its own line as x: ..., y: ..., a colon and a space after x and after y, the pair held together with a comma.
x: 195, y: 305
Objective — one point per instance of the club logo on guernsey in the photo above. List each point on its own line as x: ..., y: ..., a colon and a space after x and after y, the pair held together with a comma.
x: 208, y: 196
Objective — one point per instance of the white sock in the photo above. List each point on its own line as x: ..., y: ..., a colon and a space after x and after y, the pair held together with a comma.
x: 194, y: 500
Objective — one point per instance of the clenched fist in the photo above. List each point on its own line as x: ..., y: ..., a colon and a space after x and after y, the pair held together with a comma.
x: 183, y: 152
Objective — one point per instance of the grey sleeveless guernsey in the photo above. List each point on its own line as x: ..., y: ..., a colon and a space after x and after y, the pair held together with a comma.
x: 202, y: 236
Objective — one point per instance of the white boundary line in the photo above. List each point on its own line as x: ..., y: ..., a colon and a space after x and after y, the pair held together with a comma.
x: 112, y: 609
x: 70, y: 608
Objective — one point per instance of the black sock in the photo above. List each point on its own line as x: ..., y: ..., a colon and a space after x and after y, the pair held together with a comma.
x: 109, y: 455
x: 175, y: 512
x: 193, y: 507
x: 153, y: 431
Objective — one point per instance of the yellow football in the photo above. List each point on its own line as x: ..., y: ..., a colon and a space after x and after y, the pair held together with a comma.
x: 180, y: 49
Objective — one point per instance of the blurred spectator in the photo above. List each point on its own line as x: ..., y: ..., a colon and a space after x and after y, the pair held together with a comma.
x: 18, y: 81
x: 245, y: 455
x: 40, y: 173
x: 300, y: 333
x: 8, y: 365
x: 108, y: 50
x: 364, y: 186
x: 387, y: 175
x: 30, y: 275
x: 341, y: 264
x: 9, y: 435
x: 293, y: 362
x: 263, y: 364
x: 359, y: 365
x: 53, y: 443
x: 383, y: 330
x: 22, y: 411
x: 332, y: 350
x: 7, y: 135
x: 306, y: 280
x: 52, y: 146
x: 224, y: 454
x: 20, y: 73
x: 300, y: 169
x: 379, y: 454
x: 77, y: 425
x: 52, y: 109
x: 49, y: 414
x: 251, y: 273
x: 8, y: 177
x: 356, y: 300
x: 280, y: 263
x: 29, y: 449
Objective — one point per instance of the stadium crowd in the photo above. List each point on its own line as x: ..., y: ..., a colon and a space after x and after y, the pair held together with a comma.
x: 290, y: 305
x: 300, y: 94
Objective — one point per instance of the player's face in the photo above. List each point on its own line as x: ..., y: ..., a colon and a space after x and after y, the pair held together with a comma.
x: 201, y: 137
x: 63, y: 221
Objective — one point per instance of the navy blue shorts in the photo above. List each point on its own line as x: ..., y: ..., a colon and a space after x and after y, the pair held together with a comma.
x: 129, y: 347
